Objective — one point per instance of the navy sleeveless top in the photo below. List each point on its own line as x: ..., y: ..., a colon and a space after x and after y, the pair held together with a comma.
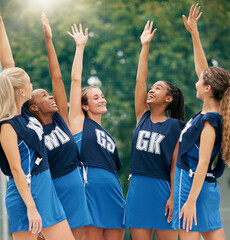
x: 28, y: 129
x: 190, y: 141
x: 153, y: 145
x: 98, y: 148
x: 61, y: 148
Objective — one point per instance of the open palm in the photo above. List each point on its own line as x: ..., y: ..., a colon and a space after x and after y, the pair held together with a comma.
x: 147, y: 34
x: 78, y: 35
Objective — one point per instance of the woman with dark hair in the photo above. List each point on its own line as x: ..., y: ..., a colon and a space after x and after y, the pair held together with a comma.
x: 52, y: 113
x: 197, y: 195
x: 154, y: 151
x: 100, y: 162
x: 31, y: 200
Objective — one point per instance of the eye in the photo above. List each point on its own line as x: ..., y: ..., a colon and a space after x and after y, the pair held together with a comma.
x: 44, y: 95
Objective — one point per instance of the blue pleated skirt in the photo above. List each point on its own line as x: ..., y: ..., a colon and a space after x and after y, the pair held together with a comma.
x: 71, y: 193
x: 45, y: 198
x: 207, y: 205
x: 145, y: 203
x: 104, y: 197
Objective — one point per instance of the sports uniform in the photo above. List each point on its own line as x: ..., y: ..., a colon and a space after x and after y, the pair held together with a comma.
x: 35, y: 165
x: 64, y: 160
x: 100, y: 166
x: 153, y: 145
x: 208, y: 201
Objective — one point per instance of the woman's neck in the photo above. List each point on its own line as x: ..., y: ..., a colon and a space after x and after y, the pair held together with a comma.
x: 96, y: 118
x: 157, y: 114
x: 211, y: 105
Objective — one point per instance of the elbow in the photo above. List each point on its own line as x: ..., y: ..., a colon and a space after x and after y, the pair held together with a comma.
x: 8, y: 64
x: 76, y: 78
x: 16, y: 171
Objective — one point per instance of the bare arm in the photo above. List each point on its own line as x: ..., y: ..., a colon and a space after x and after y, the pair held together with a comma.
x: 55, y: 72
x: 207, y: 141
x: 191, y: 26
x: 169, y: 204
x: 6, y: 57
x: 10, y: 147
x: 76, y: 115
x: 142, y: 72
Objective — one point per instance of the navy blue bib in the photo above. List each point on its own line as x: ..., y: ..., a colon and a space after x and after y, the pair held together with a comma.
x: 191, y: 136
x: 98, y: 148
x: 153, y: 145
x: 61, y: 147
x: 29, y: 129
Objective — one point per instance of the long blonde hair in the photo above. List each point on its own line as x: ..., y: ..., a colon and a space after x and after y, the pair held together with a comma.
x: 11, y: 79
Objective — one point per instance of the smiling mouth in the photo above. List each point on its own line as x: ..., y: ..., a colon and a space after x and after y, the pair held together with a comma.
x: 53, y: 104
x: 150, y: 97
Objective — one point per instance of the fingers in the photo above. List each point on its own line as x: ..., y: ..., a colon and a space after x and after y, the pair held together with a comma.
x: 76, y: 30
x: 86, y: 32
x: 151, y: 26
x: 80, y: 27
x: 191, y: 10
x: 71, y: 35
x: 195, y: 220
x: 170, y: 215
x: 199, y: 16
x: 35, y: 226
x: 166, y: 209
x: 147, y: 25
x: 75, y: 27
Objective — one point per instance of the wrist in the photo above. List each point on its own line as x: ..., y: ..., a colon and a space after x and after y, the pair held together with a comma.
x: 194, y: 33
x: 191, y: 200
x: 80, y: 46
x: 145, y: 44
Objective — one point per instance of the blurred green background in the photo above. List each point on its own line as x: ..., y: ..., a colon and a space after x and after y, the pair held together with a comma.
x: 113, y: 48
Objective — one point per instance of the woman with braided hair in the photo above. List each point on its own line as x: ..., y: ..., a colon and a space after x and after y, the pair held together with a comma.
x: 154, y: 152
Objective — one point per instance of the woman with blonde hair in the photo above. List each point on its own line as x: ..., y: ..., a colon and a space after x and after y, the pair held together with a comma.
x: 197, y: 195
x: 31, y: 200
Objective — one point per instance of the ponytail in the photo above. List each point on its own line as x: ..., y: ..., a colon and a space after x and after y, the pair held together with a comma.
x: 225, y: 108
x: 175, y: 109
x: 10, y: 80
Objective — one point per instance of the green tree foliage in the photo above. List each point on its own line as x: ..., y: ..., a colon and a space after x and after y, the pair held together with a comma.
x: 113, y: 49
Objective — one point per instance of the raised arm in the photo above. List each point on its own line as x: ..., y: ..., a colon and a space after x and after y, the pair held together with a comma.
x: 76, y: 115
x: 55, y: 72
x: 142, y: 72
x: 191, y: 26
x: 6, y: 57
x: 9, y: 144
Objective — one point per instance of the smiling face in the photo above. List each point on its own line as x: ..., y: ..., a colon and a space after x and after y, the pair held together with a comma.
x: 159, y: 94
x: 96, y: 103
x: 43, y: 102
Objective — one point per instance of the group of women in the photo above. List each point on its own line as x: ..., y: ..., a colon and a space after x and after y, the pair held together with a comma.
x: 63, y: 166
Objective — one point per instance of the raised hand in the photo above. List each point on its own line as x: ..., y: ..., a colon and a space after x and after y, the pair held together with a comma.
x: 147, y: 36
x: 46, y: 26
x: 194, y: 15
x: 79, y: 36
